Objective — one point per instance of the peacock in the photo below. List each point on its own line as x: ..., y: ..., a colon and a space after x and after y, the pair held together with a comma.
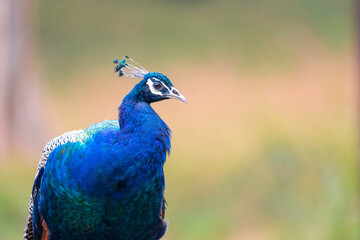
x: 107, y: 182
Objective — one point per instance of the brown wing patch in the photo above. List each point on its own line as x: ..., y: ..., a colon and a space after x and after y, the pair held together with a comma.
x: 162, y: 210
x: 45, y: 231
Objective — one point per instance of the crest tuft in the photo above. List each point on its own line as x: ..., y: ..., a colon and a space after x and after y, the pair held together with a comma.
x: 133, y: 69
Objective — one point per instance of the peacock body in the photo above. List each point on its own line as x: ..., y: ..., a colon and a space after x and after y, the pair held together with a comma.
x: 107, y: 181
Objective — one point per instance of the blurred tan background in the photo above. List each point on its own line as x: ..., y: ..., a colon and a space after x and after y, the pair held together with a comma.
x: 266, y: 148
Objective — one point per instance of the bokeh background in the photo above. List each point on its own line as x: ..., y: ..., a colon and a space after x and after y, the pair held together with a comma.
x: 267, y: 146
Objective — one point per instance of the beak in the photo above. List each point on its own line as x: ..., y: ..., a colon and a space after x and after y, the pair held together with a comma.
x: 175, y: 94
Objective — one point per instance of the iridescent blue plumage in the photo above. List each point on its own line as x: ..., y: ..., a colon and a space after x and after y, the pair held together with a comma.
x: 108, y: 181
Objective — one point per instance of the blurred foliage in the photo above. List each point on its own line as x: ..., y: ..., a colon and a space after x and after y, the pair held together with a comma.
x: 257, y: 171
x: 251, y: 34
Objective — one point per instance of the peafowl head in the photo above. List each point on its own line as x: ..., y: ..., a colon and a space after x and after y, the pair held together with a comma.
x: 153, y: 87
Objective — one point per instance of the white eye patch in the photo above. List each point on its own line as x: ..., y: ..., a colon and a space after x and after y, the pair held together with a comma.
x: 150, y: 83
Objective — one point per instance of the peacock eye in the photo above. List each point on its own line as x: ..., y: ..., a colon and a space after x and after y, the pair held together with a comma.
x: 157, y: 85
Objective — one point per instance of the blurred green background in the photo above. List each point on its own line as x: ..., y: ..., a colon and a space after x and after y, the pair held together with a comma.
x: 267, y: 146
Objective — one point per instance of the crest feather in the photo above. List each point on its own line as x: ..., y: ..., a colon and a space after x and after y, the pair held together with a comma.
x: 132, y: 69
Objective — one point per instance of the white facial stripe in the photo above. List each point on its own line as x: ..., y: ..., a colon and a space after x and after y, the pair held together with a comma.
x: 152, y: 89
x: 164, y: 85
x: 150, y: 83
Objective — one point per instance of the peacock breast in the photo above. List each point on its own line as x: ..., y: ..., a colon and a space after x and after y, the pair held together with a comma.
x: 135, y: 215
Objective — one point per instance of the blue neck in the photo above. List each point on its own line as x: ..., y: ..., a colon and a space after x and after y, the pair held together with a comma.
x: 137, y: 119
